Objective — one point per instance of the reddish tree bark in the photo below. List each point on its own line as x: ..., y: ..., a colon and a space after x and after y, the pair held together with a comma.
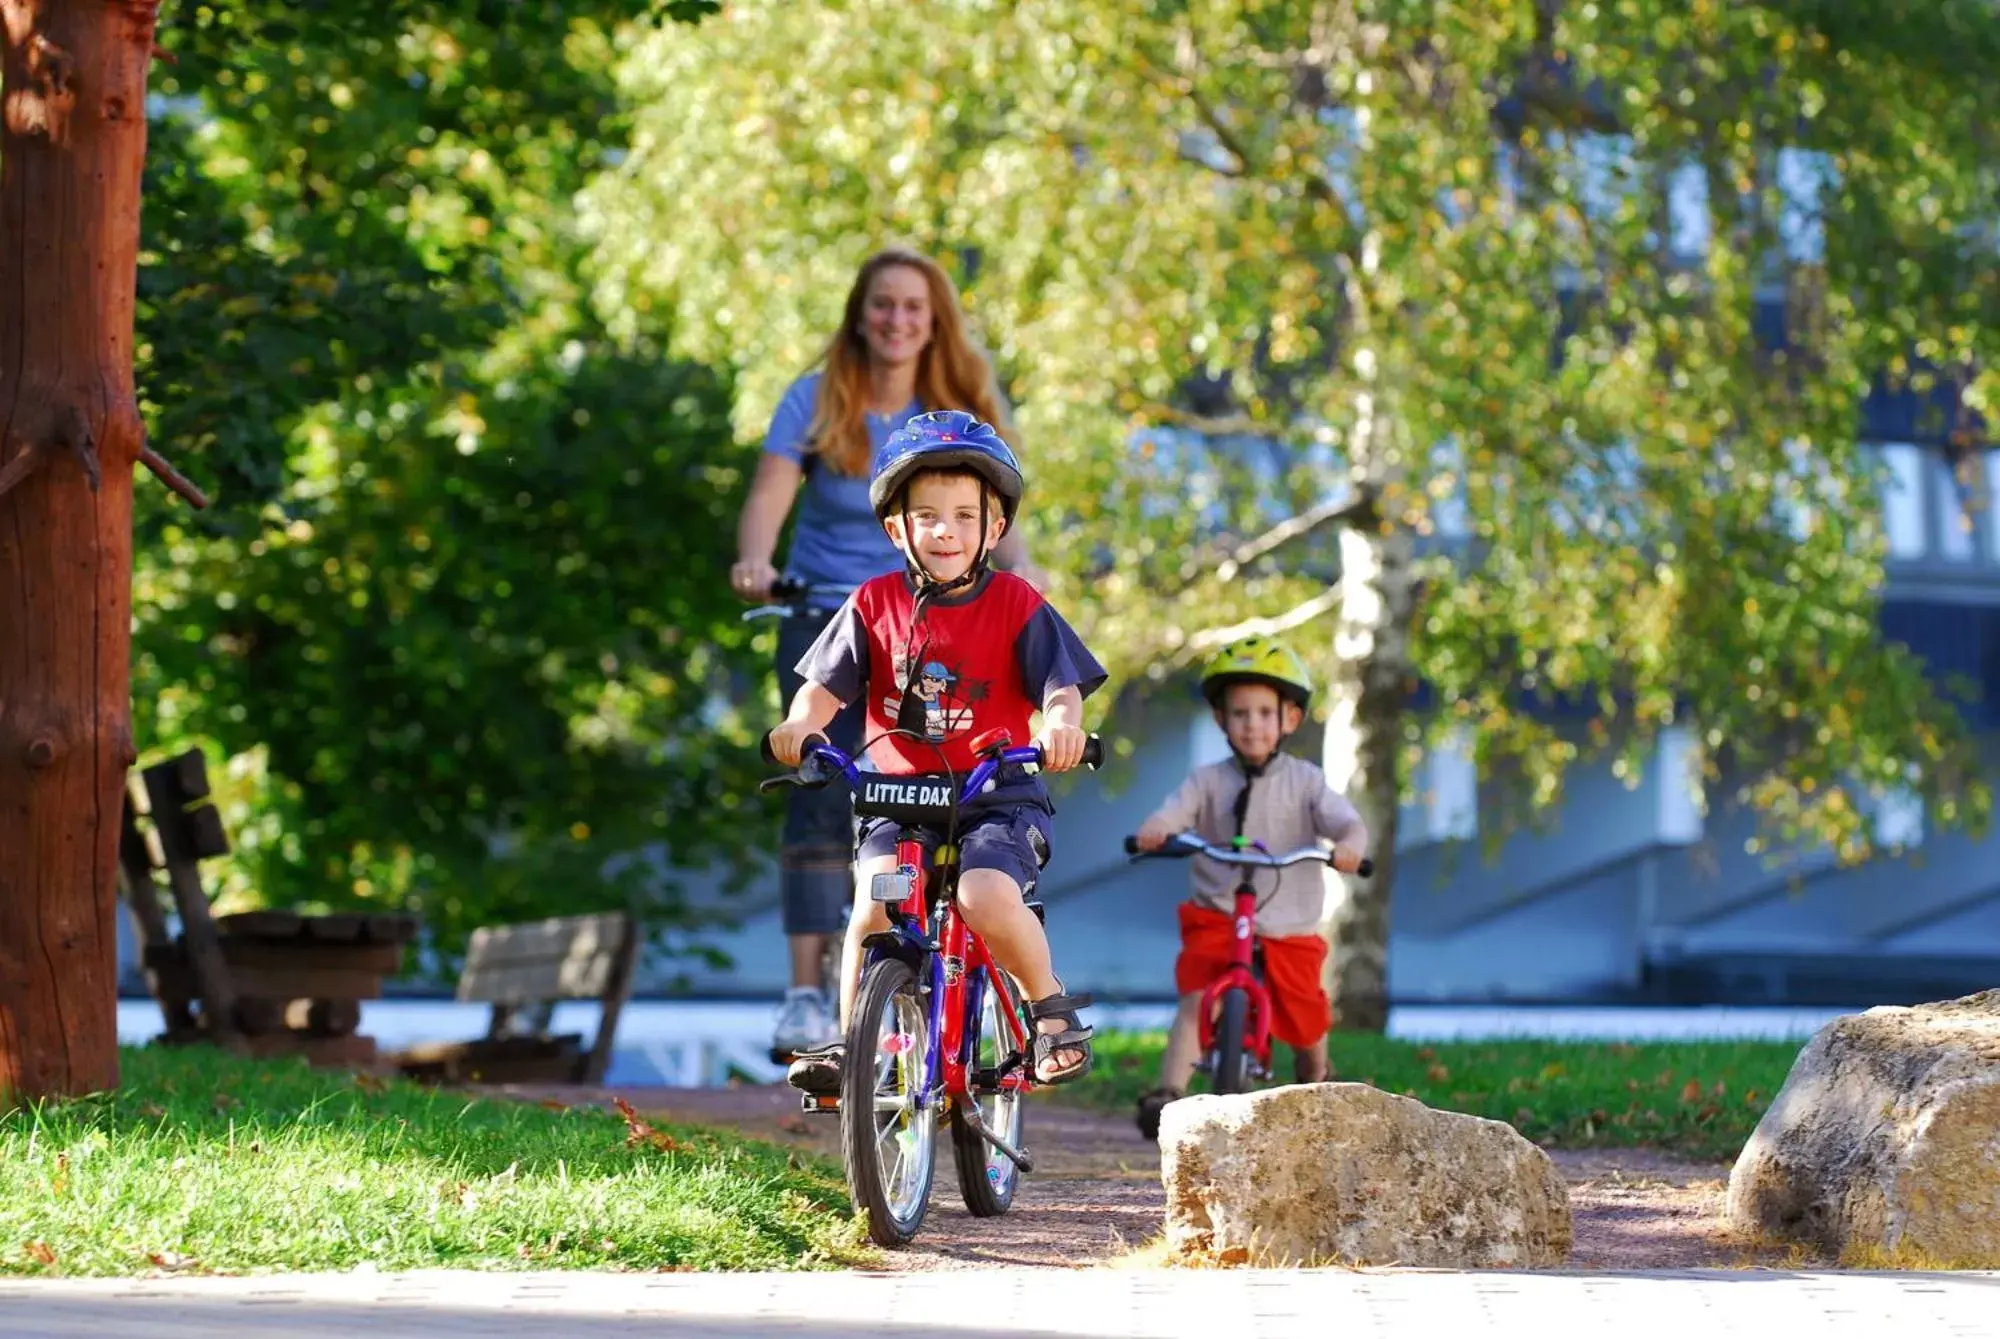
x: 74, y: 143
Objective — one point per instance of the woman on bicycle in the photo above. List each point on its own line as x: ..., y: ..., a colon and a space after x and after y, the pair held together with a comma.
x: 901, y: 349
x: 1259, y: 690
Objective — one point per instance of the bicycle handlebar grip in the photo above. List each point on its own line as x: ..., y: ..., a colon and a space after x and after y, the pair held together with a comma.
x: 1366, y: 868
x: 1131, y: 846
x: 764, y: 748
x: 787, y: 588
x: 1093, y: 752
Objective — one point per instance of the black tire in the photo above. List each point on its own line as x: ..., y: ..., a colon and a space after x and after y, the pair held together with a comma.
x: 1231, y: 1032
x: 894, y: 1198
x: 988, y: 1178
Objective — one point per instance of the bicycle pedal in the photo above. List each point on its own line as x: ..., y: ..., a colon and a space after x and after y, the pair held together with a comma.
x: 817, y: 1103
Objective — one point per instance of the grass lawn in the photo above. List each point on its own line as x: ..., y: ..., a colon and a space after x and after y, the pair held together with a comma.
x: 203, y: 1162
x: 1697, y: 1098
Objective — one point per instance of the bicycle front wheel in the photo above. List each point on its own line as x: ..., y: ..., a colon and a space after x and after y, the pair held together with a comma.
x: 987, y: 1177
x: 888, y: 1127
x: 1232, y: 1065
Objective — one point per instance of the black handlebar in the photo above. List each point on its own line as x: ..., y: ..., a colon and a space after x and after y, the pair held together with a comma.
x: 1366, y: 868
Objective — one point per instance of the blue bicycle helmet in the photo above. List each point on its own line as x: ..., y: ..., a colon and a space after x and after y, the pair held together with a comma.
x: 946, y: 439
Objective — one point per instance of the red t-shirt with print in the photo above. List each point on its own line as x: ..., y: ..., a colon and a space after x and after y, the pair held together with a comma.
x: 982, y: 661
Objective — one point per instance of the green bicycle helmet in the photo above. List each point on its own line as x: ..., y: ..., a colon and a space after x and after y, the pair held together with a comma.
x: 1257, y: 659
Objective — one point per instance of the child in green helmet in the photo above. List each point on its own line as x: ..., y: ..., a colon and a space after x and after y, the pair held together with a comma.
x: 1259, y: 690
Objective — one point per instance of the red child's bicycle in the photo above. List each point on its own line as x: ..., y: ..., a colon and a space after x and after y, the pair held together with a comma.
x: 937, y: 1028
x: 1236, y: 1006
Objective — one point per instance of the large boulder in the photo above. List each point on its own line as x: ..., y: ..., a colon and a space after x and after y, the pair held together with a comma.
x: 1884, y: 1144
x: 1342, y: 1172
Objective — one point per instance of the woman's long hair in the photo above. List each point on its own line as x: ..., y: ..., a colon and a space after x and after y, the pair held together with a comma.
x: 951, y: 372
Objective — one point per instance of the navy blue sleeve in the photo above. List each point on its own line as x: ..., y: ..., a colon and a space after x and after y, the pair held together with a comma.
x: 1052, y: 657
x: 838, y: 659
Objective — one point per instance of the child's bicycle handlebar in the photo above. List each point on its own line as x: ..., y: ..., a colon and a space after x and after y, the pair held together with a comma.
x: 1187, y: 844
x: 821, y: 763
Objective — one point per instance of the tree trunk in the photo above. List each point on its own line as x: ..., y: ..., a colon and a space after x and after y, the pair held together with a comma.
x: 1366, y: 699
x: 74, y: 143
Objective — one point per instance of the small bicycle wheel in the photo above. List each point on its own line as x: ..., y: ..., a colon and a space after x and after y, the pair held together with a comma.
x: 987, y: 1178
x: 1232, y: 1065
x: 888, y: 1129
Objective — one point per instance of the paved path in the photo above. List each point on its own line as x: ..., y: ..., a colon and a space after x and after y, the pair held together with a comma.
x: 1010, y: 1304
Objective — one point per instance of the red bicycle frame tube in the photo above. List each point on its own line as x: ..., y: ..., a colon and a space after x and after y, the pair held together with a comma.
x: 1241, y: 975
x: 961, y: 952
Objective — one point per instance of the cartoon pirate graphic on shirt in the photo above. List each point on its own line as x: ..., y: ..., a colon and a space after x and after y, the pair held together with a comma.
x: 935, y: 700
x: 932, y: 689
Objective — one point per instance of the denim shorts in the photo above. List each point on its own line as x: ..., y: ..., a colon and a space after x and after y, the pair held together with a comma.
x: 815, y: 855
x: 1013, y: 839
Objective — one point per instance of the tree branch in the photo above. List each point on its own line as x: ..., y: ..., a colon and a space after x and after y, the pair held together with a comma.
x: 1316, y: 182
x: 171, y: 477
x: 1209, y: 638
x: 1283, y: 533
x: 20, y: 467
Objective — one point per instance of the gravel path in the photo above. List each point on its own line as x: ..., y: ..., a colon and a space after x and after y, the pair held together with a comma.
x: 1095, y: 1195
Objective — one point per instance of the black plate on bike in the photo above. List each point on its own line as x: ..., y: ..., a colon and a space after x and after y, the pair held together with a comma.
x: 905, y: 799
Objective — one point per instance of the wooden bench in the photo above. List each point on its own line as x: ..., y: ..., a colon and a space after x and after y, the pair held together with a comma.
x: 523, y: 971
x: 260, y: 982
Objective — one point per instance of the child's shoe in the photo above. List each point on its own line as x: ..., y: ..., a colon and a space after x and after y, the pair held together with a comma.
x: 1150, y: 1107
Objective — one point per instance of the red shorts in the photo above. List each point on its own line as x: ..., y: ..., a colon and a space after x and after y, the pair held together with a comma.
x: 1301, y: 1013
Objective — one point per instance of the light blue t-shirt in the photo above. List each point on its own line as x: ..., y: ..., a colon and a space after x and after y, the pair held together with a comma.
x: 836, y: 540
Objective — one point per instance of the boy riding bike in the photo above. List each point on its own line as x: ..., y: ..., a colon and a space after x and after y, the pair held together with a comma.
x: 1259, y: 690
x: 942, y: 653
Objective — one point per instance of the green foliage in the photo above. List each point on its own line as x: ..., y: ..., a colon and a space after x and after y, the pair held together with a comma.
x: 1434, y: 252
x: 1698, y: 1098
x: 454, y: 615
x: 209, y: 1164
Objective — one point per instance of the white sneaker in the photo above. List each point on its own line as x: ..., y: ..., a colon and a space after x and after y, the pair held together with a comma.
x: 804, y: 1022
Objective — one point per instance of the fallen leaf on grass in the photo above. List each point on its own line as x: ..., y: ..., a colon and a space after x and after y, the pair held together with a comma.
x: 639, y: 1131
x: 172, y: 1261
x: 550, y: 1104
x: 60, y: 1182
x: 40, y: 1252
x: 370, y: 1083
x: 152, y: 1110
x: 1691, y: 1091
x: 793, y: 1124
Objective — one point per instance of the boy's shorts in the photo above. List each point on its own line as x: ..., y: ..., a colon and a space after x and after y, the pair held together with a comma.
x: 1013, y: 839
x: 1301, y: 1012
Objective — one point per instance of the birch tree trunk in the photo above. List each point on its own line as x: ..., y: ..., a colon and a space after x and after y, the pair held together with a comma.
x: 1361, y: 755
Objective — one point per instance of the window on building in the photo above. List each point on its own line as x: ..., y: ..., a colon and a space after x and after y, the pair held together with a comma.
x: 1899, y: 819
x: 1680, y: 817
x: 1954, y: 517
x: 1992, y: 499
x: 1903, y: 500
